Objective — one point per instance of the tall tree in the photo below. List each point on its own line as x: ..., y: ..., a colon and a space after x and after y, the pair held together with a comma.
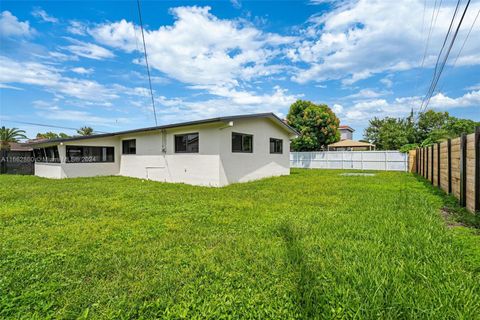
x: 431, y: 127
x: 429, y: 121
x: 390, y: 133
x: 85, y: 131
x: 317, y: 124
x: 52, y: 135
x: 8, y: 135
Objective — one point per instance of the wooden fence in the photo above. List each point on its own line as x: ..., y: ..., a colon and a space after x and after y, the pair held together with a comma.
x: 453, y: 166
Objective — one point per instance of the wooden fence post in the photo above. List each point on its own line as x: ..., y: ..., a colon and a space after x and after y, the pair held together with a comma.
x: 423, y: 162
x: 477, y: 169
x: 449, y: 156
x: 438, y: 165
x: 433, y: 162
x: 426, y: 163
x: 463, y: 170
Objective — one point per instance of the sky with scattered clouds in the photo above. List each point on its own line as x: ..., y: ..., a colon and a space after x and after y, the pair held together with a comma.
x: 72, y: 63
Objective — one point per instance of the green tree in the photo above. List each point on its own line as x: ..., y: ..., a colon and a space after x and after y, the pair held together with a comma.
x: 405, y: 134
x: 316, y: 123
x: 455, y: 126
x: 8, y: 135
x: 52, y: 135
x: 85, y: 131
x: 431, y: 121
x: 390, y: 133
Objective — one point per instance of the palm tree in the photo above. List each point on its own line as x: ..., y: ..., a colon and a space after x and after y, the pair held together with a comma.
x: 85, y: 131
x: 8, y: 135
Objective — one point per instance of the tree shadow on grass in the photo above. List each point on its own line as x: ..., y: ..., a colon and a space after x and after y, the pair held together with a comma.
x: 451, y: 209
x: 306, y: 296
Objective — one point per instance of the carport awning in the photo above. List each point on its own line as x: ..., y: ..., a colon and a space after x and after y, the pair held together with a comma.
x: 347, y: 143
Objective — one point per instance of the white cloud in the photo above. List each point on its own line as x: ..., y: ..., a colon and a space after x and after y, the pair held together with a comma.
x: 11, y: 26
x: 199, y: 48
x: 76, y: 27
x: 337, y: 108
x: 50, y: 78
x: 361, y: 38
x: 43, y: 15
x: 387, y: 82
x: 88, y: 50
x: 362, y: 111
x: 6, y: 86
x: 366, y: 94
x: 82, y: 70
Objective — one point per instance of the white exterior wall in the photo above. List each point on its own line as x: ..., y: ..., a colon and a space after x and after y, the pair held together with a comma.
x: 150, y: 162
x: 48, y: 170
x: 213, y: 165
x: 242, y: 167
x: 74, y: 170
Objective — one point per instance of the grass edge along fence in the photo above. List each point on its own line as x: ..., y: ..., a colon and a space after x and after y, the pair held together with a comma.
x: 453, y: 166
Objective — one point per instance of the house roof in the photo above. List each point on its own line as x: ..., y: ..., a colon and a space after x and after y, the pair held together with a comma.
x: 269, y: 115
x: 14, y: 146
x: 346, y: 128
x: 347, y: 143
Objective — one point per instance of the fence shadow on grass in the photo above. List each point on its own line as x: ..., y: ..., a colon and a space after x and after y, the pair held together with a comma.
x: 451, y: 206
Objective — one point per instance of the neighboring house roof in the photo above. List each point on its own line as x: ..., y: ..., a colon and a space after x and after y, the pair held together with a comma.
x: 346, y: 128
x: 14, y: 146
x: 177, y: 125
x: 347, y: 143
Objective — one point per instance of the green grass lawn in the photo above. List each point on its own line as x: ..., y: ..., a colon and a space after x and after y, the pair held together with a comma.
x: 310, y: 245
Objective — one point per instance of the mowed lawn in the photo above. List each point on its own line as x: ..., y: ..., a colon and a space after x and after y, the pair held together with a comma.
x: 314, y: 244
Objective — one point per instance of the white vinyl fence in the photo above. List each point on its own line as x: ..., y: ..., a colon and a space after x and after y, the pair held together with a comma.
x: 362, y: 160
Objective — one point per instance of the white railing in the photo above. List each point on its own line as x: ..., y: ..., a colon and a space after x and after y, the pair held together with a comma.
x: 360, y: 160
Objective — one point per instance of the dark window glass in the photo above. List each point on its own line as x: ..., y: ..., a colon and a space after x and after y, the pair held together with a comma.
x: 186, y: 143
x: 84, y: 154
x: 48, y: 155
x: 129, y: 146
x: 276, y: 145
x: 242, y: 142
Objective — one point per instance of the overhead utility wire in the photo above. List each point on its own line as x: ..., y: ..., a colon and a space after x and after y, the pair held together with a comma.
x: 146, y: 61
x: 466, y: 38
x: 435, y: 80
x: 45, y: 125
x: 446, y: 38
x: 429, y: 34
x: 461, y: 48
x: 438, y: 59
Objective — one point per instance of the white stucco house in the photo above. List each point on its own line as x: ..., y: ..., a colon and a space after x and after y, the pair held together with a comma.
x: 211, y: 152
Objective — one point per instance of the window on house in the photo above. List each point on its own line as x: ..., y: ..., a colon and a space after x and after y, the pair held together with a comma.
x: 276, y: 145
x: 242, y: 142
x: 186, y: 143
x: 47, y: 155
x: 83, y: 154
x: 129, y: 146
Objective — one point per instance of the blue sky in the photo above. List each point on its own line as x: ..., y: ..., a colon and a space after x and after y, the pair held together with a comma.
x: 71, y: 64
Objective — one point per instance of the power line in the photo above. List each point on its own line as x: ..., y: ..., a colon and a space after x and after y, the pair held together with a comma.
x: 146, y: 61
x: 437, y: 75
x: 466, y: 38
x: 429, y: 34
x: 461, y: 48
x: 446, y: 37
x: 44, y: 125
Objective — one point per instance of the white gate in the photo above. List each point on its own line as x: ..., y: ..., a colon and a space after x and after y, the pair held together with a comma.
x: 360, y: 160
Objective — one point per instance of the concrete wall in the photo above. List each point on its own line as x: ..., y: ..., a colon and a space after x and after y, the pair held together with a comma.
x: 214, y: 165
x: 73, y: 170
x: 150, y: 162
x: 48, y: 170
x: 242, y: 167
